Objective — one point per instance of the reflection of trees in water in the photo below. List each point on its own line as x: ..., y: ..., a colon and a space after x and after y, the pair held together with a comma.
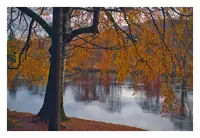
x: 12, y: 88
x: 32, y: 89
x: 182, y: 89
x: 88, y: 88
x: 27, y: 85
x: 36, y: 89
x: 152, y: 102
x: 112, y: 97
x: 184, y: 120
x: 152, y: 91
x: 184, y: 100
x: 12, y: 92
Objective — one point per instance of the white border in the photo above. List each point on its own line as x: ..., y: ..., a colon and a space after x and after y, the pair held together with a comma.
x: 101, y: 3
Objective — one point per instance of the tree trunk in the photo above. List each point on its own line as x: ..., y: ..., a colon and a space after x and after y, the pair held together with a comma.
x: 66, y: 29
x: 54, y: 112
x: 43, y: 113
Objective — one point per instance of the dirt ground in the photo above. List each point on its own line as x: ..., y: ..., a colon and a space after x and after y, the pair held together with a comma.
x: 18, y: 121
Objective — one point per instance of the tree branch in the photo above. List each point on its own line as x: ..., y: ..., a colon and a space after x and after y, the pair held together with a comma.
x: 125, y: 17
x: 163, y: 12
x: 37, y: 18
x: 91, y: 29
x: 12, y: 20
x: 102, y: 9
x: 181, y: 14
x: 95, y: 45
x: 26, y: 46
x: 29, y: 36
x: 84, y: 9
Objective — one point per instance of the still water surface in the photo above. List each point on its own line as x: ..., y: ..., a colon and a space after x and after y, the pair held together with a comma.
x: 88, y: 97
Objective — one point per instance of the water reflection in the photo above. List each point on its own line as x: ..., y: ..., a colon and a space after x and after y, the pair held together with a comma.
x: 89, y: 88
x: 152, y: 93
x: 12, y: 92
x: 90, y: 96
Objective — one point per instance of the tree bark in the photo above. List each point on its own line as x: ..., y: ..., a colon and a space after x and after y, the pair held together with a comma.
x: 54, y: 112
x: 43, y: 113
x: 65, y: 29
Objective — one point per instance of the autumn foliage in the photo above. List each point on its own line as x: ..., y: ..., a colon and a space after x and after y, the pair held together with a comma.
x: 161, y: 46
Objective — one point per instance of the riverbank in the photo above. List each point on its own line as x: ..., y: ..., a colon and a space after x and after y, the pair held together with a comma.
x: 20, y: 121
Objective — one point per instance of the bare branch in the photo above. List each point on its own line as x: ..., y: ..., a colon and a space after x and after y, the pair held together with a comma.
x: 29, y: 36
x: 81, y: 8
x: 159, y: 31
x: 163, y: 12
x: 37, y: 18
x: 12, y: 20
x: 25, y: 28
x: 102, y: 9
x: 118, y: 28
x: 125, y: 17
x: 154, y: 22
x: 181, y: 14
x: 91, y: 29
x: 26, y: 46
x: 95, y: 45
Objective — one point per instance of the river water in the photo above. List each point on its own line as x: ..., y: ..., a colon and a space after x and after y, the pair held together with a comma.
x: 89, y: 97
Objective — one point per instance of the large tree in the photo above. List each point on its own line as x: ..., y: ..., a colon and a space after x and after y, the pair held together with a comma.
x: 155, y: 41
